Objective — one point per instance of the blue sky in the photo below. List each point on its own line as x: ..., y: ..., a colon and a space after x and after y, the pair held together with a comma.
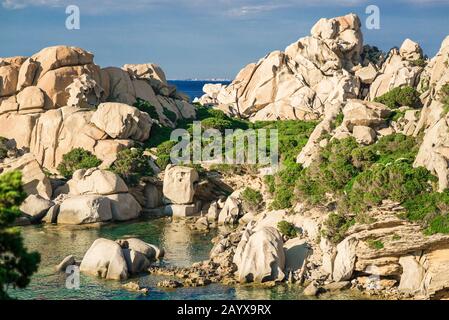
x: 204, y: 38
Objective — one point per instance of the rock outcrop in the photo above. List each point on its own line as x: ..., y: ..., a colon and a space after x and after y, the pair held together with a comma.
x: 400, y: 69
x: 180, y: 185
x: 117, y: 260
x: 92, y: 196
x: 433, y: 153
x: 260, y: 256
x: 299, y: 83
x: 59, y: 99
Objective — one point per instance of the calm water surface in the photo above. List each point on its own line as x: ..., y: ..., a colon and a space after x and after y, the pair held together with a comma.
x: 183, y: 247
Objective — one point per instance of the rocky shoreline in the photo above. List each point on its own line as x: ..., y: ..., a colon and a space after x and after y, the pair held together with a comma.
x: 363, y: 134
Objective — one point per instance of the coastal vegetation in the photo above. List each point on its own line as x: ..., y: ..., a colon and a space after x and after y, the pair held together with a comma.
x: 252, y: 199
x: 132, y: 165
x: 400, y: 96
x: 76, y: 159
x: 287, y: 229
x: 16, y: 263
x: 3, y: 148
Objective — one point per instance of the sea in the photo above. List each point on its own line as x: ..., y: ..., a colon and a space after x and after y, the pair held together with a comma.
x: 183, y: 247
x: 194, y: 88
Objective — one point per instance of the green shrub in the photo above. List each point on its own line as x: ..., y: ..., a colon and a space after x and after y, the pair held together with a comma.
x: 252, y: 199
x: 395, y: 146
x: 3, y: 148
x: 336, y: 227
x: 271, y: 183
x: 163, y: 153
x: 170, y: 115
x: 375, y: 244
x: 339, y: 120
x: 16, y: 263
x: 444, y: 93
x: 372, y: 54
x: 216, y: 123
x: 395, y: 181
x: 439, y: 224
x: 77, y: 159
x: 424, y: 207
x: 292, y: 135
x: 287, y: 229
x: 331, y: 173
x: 285, y: 180
x: 400, y: 96
x: 159, y: 134
x: 396, y: 115
x: 145, y: 106
x: 419, y: 63
x: 132, y: 165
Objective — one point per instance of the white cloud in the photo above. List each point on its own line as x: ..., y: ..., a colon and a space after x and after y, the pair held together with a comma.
x: 253, y: 9
x: 20, y: 4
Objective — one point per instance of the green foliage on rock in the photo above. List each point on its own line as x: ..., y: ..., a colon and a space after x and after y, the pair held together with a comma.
x: 400, y: 96
x: 444, y: 97
x: 216, y: 123
x: 16, y: 263
x: 284, y: 190
x: 163, y: 153
x: 77, y: 159
x: 372, y: 54
x: 419, y: 63
x: 252, y: 199
x: 132, y: 165
x: 331, y: 172
x: 395, y: 181
x: 170, y: 114
x: 375, y: 244
x: 336, y: 226
x: 145, y: 106
x: 3, y: 148
x: 287, y: 229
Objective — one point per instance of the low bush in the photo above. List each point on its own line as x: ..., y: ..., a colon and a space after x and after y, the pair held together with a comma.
x: 330, y: 173
x: 3, y: 148
x: 419, y: 62
x: 395, y: 181
x: 400, y: 96
x: 375, y: 244
x: 284, y: 194
x: 170, y: 115
x: 132, y: 165
x: 163, y: 154
x: 336, y: 227
x: 77, y: 159
x: 145, y: 106
x: 252, y: 199
x: 287, y: 229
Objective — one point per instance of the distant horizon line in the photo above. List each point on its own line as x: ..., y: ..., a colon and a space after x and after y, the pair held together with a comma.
x: 199, y: 79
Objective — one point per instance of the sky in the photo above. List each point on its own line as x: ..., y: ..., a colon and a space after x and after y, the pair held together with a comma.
x: 205, y: 38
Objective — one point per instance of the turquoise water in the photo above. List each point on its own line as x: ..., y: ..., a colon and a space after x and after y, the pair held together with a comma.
x: 182, y: 246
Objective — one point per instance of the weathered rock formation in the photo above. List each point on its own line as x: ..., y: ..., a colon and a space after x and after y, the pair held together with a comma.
x: 48, y: 103
x: 93, y: 196
x: 313, y: 72
x: 117, y: 260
